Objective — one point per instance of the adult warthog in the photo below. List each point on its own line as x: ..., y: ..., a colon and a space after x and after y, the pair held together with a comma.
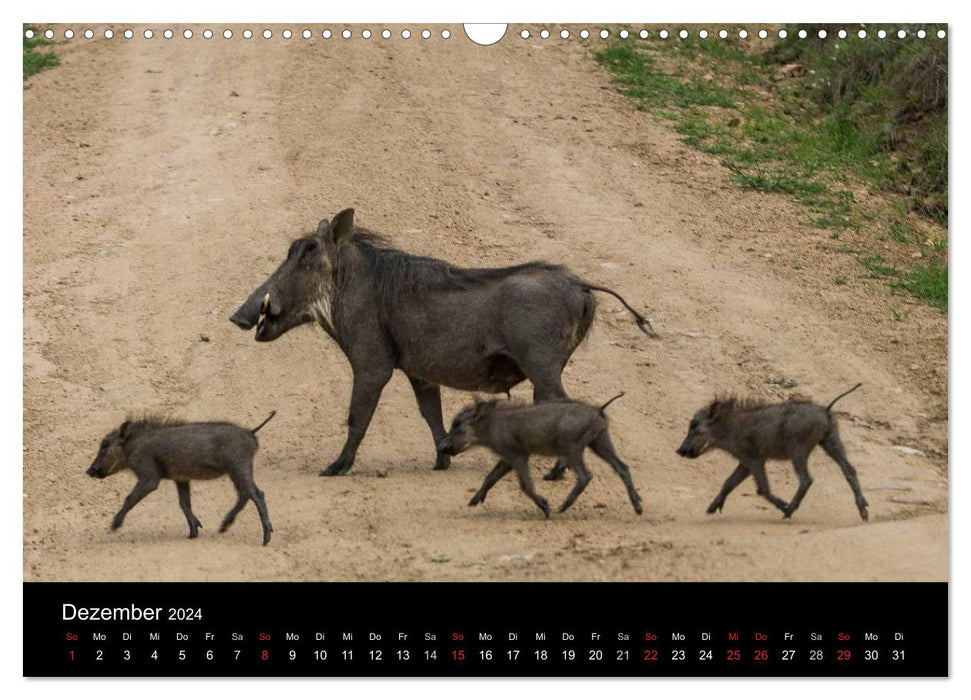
x: 472, y: 329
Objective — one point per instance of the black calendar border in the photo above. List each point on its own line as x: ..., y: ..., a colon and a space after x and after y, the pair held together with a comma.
x: 917, y: 610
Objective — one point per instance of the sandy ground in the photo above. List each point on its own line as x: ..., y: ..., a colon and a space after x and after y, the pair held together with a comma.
x: 163, y: 181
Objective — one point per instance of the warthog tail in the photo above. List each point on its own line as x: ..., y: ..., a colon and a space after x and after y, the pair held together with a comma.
x: 602, y: 408
x: 268, y: 419
x: 849, y: 391
x: 642, y: 323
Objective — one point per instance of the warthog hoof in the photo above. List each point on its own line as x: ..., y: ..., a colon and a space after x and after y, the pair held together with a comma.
x: 638, y: 508
x: 443, y: 461
x: 544, y: 506
x: 336, y: 469
x: 554, y: 474
x: 266, y: 538
x: 715, y: 506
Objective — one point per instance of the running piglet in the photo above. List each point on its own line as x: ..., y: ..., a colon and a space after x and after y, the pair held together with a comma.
x: 514, y: 431
x: 753, y: 432
x: 161, y: 448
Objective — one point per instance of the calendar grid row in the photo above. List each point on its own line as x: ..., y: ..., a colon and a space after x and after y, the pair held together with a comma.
x: 331, y: 652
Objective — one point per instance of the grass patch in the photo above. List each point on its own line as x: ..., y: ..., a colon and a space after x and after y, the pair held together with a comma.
x: 889, y: 98
x: 900, y: 232
x: 34, y: 60
x: 928, y: 282
x: 814, y: 120
x: 779, y: 181
x: 641, y: 80
x: 878, y: 269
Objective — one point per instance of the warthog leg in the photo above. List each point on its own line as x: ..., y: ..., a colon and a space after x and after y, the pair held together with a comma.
x: 526, y: 484
x: 548, y: 386
x: 556, y: 473
x: 364, y: 399
x: 604, y: 448
x: 142, y: 488
x: 500, y: 470
x: 801, y: 464
x: 757, y: 467
x: 735, y: 478
x: 834, y: 448
x: 429, y: 398
x: 583, y: 478
x: 186, y: 503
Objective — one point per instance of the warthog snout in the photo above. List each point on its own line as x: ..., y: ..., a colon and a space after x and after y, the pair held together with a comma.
x: 260, y: 312
x: 247, y: 315
x: 241, y: 320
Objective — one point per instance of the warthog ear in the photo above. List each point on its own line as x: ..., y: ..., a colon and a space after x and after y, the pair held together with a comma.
x: 720, y: 409
x: 323, y: 227
x: 125, y: 431
x: 341, y: 225
x: 483, y: 409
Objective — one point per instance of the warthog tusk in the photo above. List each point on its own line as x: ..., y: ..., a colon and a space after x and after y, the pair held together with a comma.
x: 264, y: 307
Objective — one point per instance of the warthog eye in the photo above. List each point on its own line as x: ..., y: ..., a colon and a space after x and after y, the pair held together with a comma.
x: 309, y: 250
x: 693, y: 425
x: 104, y: 444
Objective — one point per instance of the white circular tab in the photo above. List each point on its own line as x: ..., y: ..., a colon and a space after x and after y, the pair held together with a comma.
x: 485, y: 34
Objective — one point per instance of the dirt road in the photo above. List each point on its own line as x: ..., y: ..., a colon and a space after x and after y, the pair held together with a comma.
x: 164, y: 180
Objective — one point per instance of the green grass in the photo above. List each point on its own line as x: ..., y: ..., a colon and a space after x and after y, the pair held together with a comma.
x: 893, y: 95
x: 35, y: 61
x: 878, y: 269
x: 781, y: 137
x: 900, y: 232
x: 641, y: 80
x: 766, y: 149
x: 928, y: 282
